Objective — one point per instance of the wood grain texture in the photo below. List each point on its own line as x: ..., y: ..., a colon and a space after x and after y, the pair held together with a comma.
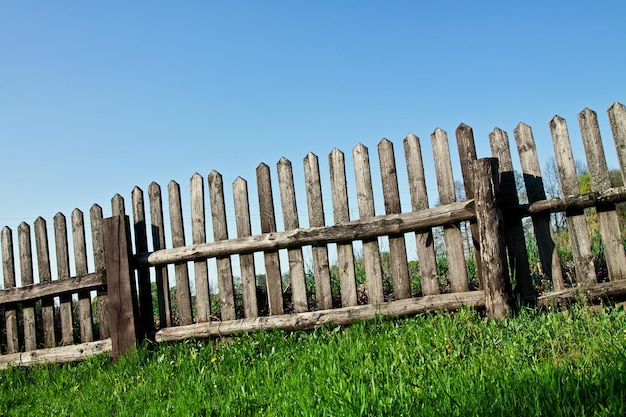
x: 80, y: 261
x: 63, y: 272
x: 617, y: 120
x: 26, y: 273
x: 158, y: 243
x: 97, y: 241
x: 59, y: 355
x: 143, y: 272
x: 181, y: 271
x: 198, y: 235
x: 45, y: 277
x: 8, y: 273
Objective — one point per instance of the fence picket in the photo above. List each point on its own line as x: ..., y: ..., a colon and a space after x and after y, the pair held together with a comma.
x: 576, y: 223
x: 419, y: 201
x: 341, y: 214
x: 397, y: 245
x: 45, y: 275
x: 26, y: 273
x: 143, y: 272
x: 198, y: 235
x: 599, y: 174
x: 8, y: 272
x: 158, y: 242
x: 246, y: 261
x: 617, y: 120
x: 273, y: 277
x: 80, y: 263
x: 220, y: 232
x: 181, y: 272
x: 97, y: 241
x: 290, y: 219
x: 452, y: 236
x: 63, y: 271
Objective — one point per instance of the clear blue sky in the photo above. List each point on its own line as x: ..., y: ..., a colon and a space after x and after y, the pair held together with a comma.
x: 97, y: 97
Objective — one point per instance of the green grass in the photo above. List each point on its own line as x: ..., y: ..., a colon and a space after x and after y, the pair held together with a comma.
x: 556, y: 363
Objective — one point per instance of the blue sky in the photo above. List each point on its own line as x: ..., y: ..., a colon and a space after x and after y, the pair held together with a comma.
x: 97, y: 97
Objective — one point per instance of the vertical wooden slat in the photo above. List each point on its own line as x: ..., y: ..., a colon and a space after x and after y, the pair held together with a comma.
x: 513, y: 228
x: 97, y: 242
x: 535, y: 191
x: 246, y: 262
x: 63, y: 271
x: 143, y: 273
x: 321, y: 266
x: 419, y: 201
x: 183, y: 294
x: 599, y: 174
x: 26, y: 273
x: 8, y: 272
x: 198, y: 235
x: 391, y: 195
x: 290, y: 219
x: 617, y: 120
x: 467, y: 156
x: 158, y: 242
x: 576, y: 223
x: 118, y: 207
x: 341, y: 214
x: 45, y: 275
x: 365, y: 199
x: 220, y: 232
x: 268, y: 225
x: 80, y: 263
x: 451, y: 233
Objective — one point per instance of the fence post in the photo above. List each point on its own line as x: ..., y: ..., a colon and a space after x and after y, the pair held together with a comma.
x: 122, y: 292
x: 498, y: 298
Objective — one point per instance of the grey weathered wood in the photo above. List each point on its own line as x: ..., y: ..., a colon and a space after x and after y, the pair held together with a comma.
x: 143, y: 273
x: 576, y: 223
x: 73, y: 353
x: 590, y: 292
x: 63, y: 272
x: 158, y: 242
x: 617, y: 120
x: 579, y: 202
x: 220, y: 232
x: 365, y: 200
x: 467, y: 156
x: 181, y: 272
x: 513, y: 228
x: 198, y: 235
x: 365, y: 229
x: 321, y: 265
x: 123, y: 308
x: 535, y: 192
x: 451, y: 233
x: 118, y: 207
x: 45, y: 276
x: 290, y: 219
x: 49, y: 289
x: 599, y: 175
x: 26, y: 273
x: 80, y: 262
x: 341, y: 215
x: 97, y: 241
x: 391, y: 195
x: 273, y: 277
x: 498, y: 297
x: 419, y: 201
x: 338, y: 316
x: 8, y: 272
x: 246, y: 261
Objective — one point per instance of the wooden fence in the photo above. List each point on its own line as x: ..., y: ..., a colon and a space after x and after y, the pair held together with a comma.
x: 64, y: 317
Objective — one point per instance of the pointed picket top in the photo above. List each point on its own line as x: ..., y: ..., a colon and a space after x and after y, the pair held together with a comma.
x: 196, y: 177
x: 384, y: 142
x: 311, y: 160
x: 262, y: 167
x: 137, y: 190
x: 335, y: 153
x: 360, y: 149
x: 439, y: 132
x: 39, y: 221
x: 59, y: 217
x: 154, y: 186
x: 283, y: 162
x: 117, y: 205
x: 214, y: 177
x: 76, y: 213
x: 617, y: 120
x: 464, y: 128
x: 239, y: 182
x: 172, y: 183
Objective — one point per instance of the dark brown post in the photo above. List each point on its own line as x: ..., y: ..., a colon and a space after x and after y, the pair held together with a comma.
x: 122, y: 291
x: 498, y: 299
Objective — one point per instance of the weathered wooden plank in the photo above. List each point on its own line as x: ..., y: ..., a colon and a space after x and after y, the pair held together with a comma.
x: 8, y: 272
x: 321, y: 265
x: 246, y: 261
x: 365, y: 200
x: 63, y: 272
x: 158, y: 242
x: 198, y: 235
x: 498, y: 299
x: 183, y: 291
x: 118, y: 207
x: 291, y: 222
x: 220, y: 232
x: 391, y: 195
x: 80, y: 262
x: 513, y: 228
x: 452, y: 236
x: 617, y: 120
x: 576, y: 223
x: 579, y: 202
x: 419, y: 201
x: 341, y: 215
x: 533, y: 180
x: 97, y: 242
x: 590, y: 292
x: 45, y: 276
x: 49, y: 289
x: 273, y: 277
x: 599, y: 175
x: 143, y: 272
x: 338, y: 316
x: 364, y: 229
x: 65, y: 354
x: 26, y: 273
